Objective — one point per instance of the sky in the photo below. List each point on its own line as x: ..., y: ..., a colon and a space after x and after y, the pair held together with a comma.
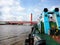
x: 20, y: 10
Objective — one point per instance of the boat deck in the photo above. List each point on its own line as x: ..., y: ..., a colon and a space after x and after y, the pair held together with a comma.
x: 49, y: 39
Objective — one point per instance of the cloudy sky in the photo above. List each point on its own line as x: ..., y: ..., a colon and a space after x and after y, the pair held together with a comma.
x: 20, y: 10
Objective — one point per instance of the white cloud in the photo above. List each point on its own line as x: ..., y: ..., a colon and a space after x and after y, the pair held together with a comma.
x: 6, y: 10
x: 11, y: 9
x: 36, y: 10
x: 6, y: 2
x: 36, y: 14
x: 53, y: 7
x: 20, y: 18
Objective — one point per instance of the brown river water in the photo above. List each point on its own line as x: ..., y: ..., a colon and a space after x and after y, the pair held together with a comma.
x: 14, y: 34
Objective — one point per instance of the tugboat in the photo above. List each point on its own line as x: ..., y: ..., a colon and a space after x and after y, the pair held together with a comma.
x: 47, y: 31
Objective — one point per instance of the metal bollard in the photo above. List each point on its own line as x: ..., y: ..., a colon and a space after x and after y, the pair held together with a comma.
x: 31, y: 40
x: 27, y: 42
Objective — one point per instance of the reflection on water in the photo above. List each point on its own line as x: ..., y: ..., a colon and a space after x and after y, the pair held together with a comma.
x: 13, y: 34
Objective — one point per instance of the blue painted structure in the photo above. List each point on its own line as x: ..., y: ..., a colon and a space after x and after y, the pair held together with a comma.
x: 46, y: 23
x: 58, y: 19
x: 45, y: 16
